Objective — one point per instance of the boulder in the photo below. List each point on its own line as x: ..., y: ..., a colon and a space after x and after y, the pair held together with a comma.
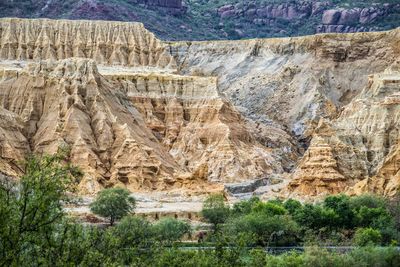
x: 228, y: 14
x: 331, y: 17
x: 351, y: 16
x: 225, y: 8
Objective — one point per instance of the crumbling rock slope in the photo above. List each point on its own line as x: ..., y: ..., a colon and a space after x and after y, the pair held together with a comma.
x: 310, y: 116
x: 300, y: 86
x: 114, y: 43
x: 358, y: 151
x: 144, y: 131
x: 127, y: 119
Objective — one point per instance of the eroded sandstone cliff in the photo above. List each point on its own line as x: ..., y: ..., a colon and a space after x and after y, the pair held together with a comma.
x: 358, y: 151
x: 193, y: 116
x: 129, y: 121
x: 299, y: 85
x: 114, y: 43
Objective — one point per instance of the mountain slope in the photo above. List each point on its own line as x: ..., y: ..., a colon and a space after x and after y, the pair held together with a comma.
x: 130, y: 121
x: 294, y: 116
x: 223, y: 19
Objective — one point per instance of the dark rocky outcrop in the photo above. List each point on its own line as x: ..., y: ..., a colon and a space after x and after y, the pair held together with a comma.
x: 332, y: 18
x: 161, y: 3
x: 246, y: 187
x: 354, y: 20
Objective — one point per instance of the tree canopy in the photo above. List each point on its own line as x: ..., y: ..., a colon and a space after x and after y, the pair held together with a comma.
x: 113, y: 203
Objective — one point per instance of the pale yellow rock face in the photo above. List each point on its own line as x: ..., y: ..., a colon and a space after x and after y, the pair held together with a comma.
x: 318, y: 114
x: 114, y: 43
x: 358, y: 151
x: 68, y: 103
x: 317, y: 172
x: 311, y: 88
x: 143, y: 131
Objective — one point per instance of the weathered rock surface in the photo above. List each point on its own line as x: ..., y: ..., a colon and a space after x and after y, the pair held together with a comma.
x: 333, y: 19
x: 291, y: 82
x: 114, y: 43
x: 193, y: 116
x: 144, y: 131
x: 135, y: 125
x: 358, y: 151
x: 293, y: 86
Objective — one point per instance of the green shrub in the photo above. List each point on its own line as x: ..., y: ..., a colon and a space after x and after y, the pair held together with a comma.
x: 340, y: 204
x: 290, y: 259
x: 215, y: 211
x: 375, y: 256
x: 169, y: 230
x: 367, y: 236
x: 113, y: 203
x: 292, y: 206
x: 245, y: 206
x: 268, y: 208
x: 133, y: 231
x: 264, y: 229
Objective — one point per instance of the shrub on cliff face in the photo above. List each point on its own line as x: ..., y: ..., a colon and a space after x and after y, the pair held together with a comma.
x: 113, y: 203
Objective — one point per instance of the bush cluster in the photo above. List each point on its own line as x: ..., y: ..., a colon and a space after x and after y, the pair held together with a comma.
x: 338, y: 220
x: 35, y: 230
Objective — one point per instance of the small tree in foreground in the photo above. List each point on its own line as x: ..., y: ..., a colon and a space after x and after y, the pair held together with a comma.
x: 113, y: 203
x: 31, y: 209
x: 215, y: 211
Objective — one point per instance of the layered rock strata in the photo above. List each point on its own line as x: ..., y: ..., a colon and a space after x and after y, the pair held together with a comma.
x: 237, y: 111
x: 291, y: 81
x: 199, y: 128
x: 298, y: 85
x: 143, y: 131
x: 358, y: 151
x: 113, y: 43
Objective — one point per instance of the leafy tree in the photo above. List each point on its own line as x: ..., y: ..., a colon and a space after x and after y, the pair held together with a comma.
x: 292, y: 206
x: 215, y: 211
x: 245, y: 206
x: 367, y: 236
x: 31, y: 210
x: 365, y: 217
x: 169, y: 230
x: 265, y: 229
x: 367, y: 200
x: 375, y: 212
x: 315, y: 217
x: 394, y: 208
x: 269, y: 209
x: 133, y: 231
x: 340, y: 204
x: 113, y: 203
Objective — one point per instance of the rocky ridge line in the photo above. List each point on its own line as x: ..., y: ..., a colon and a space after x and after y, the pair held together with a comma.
x: 109, y: 43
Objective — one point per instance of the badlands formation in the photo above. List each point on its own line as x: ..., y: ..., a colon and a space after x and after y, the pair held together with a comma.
x: 310, y: 116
